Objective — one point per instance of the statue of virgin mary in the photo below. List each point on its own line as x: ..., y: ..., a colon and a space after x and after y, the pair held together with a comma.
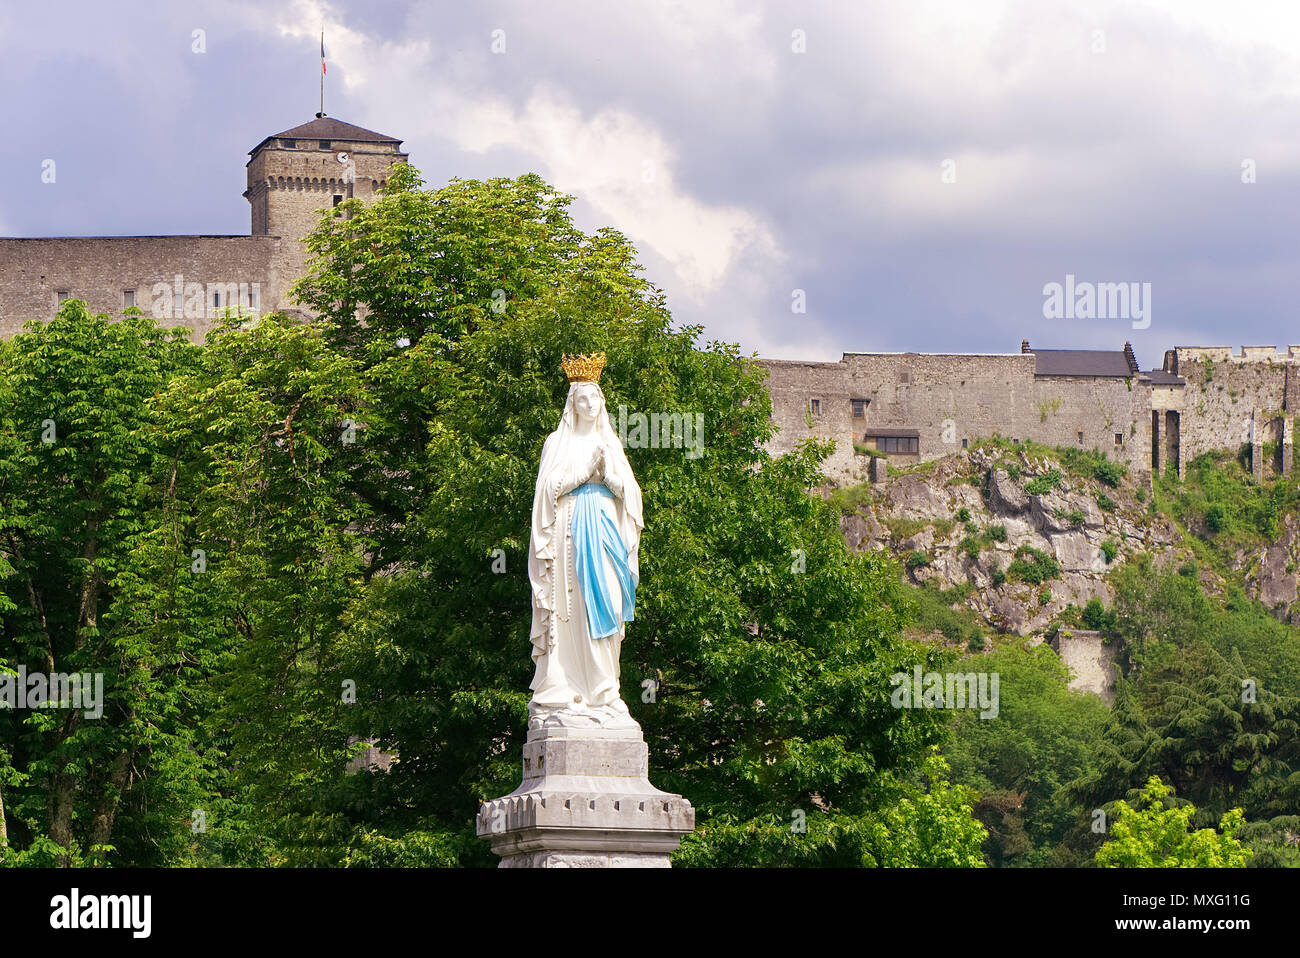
x: 582, y: 561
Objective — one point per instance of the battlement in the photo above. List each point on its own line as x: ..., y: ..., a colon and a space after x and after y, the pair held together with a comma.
x: 190, y: 280
x: 1226, y: 354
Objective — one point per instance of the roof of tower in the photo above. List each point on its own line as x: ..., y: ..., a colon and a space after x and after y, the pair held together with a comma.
x: 328, y: 128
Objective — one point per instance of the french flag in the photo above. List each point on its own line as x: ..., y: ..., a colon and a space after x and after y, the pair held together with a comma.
x: 322, y: 53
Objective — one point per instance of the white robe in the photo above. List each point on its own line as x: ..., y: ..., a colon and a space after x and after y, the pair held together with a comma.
x: 574, y: 672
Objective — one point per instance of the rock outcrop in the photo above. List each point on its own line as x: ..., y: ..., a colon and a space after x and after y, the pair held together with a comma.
x: 1274, y: 580
x: 1006, y: 498
x: 979, y: 519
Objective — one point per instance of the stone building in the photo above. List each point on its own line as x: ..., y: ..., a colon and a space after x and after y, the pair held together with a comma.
x: 1091, y: 661
x: 909, y: 406
x: 919, y: 406
x: 191, y: 280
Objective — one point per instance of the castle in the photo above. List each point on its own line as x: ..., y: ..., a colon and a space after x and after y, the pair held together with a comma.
x: 908, y: 407
x: 919, y: 406
x: 192, y: 280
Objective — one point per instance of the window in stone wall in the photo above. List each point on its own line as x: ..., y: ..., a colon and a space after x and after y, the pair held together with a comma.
x: 906, y: 445
x: 859, y: 408
x: 1119, y: 439
x: 965, y: 443
x: 898, y: 444
x: 815, y: 405
x: 291, y: 144
x: 338, y: 198
x: 128, y: 298
x: 216, y: 297
x: 1080, y: 435
x: 905, y: 376
x: 64, y: 295
x: 324, y: 144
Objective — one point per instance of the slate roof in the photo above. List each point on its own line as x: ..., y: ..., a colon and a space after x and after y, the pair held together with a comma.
x: 329, y: 128
x: 893, y: 434
x: 1159, y: 377
x: 1081, y: 362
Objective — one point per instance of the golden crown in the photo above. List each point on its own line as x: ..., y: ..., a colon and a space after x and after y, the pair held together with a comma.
x: 584, y: 368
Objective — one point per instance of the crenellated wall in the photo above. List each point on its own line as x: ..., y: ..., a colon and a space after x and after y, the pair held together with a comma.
x: 192, y: 280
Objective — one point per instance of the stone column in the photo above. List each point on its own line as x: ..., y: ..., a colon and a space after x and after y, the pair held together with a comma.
x: 585, y: 802
x: 1157, y: 442
x: 1256, y: 448
x: 1287, y: 424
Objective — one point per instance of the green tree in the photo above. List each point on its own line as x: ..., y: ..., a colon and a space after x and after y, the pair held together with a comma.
x: 81, y: 480
x: 270, y: 426
x: 929, y: 824
x: 1159, y: 836
x: 1158, y: 613
x: 1211, y: 706
x: 1045, y: 737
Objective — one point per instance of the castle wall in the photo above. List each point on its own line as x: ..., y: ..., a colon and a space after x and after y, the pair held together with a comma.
x: 98, y: 269
x: 951, y: 398
x: 1091, y: 661
x: 1224, y: 391
x: 1090, y: 413
x: 947, y: 398
x: 792, y: 385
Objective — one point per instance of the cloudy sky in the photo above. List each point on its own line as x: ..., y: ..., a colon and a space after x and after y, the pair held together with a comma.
x: 919, y: 170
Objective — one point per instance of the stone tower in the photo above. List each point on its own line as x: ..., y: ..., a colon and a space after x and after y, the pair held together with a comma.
x: 295, y: 174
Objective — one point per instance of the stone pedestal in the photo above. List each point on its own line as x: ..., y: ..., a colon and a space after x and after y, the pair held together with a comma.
x: 585, y: 802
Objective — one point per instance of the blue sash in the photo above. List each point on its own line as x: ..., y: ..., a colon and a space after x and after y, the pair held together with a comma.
x: 593, y: 533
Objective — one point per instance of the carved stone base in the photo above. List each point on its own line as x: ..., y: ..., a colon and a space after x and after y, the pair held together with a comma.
x: 583, y: 860
x: 585, y: 802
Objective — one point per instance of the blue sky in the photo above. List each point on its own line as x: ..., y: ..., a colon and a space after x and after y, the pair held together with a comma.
x: 749, y: 149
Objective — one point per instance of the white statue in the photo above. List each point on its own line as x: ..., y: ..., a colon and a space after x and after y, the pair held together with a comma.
x: 582, y: 561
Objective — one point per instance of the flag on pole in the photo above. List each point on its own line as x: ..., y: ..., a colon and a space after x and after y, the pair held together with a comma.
x: 322, y: 53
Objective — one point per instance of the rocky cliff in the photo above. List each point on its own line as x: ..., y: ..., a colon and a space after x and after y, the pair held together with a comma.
x: 1024, y: 533
x: 1029, y: 534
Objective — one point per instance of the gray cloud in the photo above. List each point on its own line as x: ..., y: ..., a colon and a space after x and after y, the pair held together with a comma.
x: 743, y: 170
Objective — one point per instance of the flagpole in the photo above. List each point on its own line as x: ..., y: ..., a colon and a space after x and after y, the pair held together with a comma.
x: 322, y: 73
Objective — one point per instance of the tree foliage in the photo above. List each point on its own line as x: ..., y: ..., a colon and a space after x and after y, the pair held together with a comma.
x: 291, y: 540
x: 1158, y: 836
x: 1044, y: 738
x: 82, y: 479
